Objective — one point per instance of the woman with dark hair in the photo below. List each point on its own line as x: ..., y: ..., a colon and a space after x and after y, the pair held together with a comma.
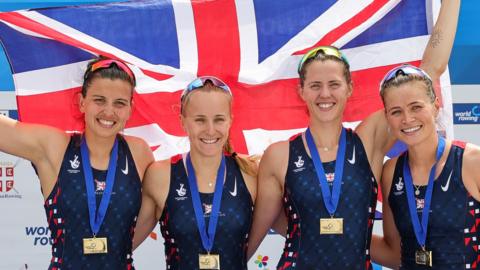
x: 91, y: 181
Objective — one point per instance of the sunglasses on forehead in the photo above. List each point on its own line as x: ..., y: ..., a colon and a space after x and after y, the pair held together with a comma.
x: 404, y: 70
x: 201, y: 81
x: 107, y: 63
x: 325, y: 50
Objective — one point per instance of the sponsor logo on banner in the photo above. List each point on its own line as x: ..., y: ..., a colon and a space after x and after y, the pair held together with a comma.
x: 466, y: 113
x: 7, y: 180
x: 262, y: 262
x: 40, y: 235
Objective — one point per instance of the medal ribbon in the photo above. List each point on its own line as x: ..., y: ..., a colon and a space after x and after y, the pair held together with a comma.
x: 207, y: 237
x: 96, y: 217
x: 330, y: 199
x: 421, y: 229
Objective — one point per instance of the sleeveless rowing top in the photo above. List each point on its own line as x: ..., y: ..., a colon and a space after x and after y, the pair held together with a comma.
x: 305, y: 248
x: 452, y: 233
x: 179, y: 227
x: 68, y: 217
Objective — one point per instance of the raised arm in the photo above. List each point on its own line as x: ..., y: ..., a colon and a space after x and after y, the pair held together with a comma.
x: 268, y: 204
x: 437, y: 53
x: 29, y: 141
x: 385, y: 250
x: 374, y: 129
x: 156, y: 184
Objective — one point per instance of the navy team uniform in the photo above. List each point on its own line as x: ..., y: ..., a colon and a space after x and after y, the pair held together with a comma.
x: 179, y: 228
x: 305, y: 248
x: 452, y: 233
x: 67, y: 212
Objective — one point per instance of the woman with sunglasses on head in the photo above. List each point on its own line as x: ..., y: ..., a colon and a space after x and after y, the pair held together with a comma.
x: 325, y: 178
x: 203, y: 200
x: 432, y: 191
x: 91, y: 181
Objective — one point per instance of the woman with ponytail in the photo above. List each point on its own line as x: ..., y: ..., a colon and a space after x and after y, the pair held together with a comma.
x: 203, y: 199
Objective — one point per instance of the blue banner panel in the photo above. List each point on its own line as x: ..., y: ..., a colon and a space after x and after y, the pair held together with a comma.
x: 466, y: 113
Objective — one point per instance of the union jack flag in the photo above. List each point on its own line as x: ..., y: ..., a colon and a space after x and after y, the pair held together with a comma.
x: 100, y: 185
x: 253, y: 45
x: 420, y: 203
x: 330, y: 177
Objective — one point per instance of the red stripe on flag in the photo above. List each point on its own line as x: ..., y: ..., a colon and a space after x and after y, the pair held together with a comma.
x: 58, y: 109
x: 217, y: 34
x: 355, y: 21
x: 349, y: 25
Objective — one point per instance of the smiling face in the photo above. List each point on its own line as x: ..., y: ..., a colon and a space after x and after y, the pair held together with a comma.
x: 410, y: 112
x: 206, y: 119
x: 107, y: 106
x: 325, y: 90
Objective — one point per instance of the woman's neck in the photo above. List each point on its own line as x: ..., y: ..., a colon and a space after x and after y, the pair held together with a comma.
x: 326, y: 135
x: 206, y: 168
x: 423, y: 153
x: 99, y: 150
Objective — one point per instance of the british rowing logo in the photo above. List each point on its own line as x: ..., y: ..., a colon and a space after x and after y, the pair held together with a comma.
x: 420, y: 204
x: 100, y: 185
x: 207, y: 209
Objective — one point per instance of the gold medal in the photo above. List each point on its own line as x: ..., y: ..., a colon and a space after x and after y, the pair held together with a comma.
x: 331, y: 226
x: 423, y: 257
x: 209, y: 261
x: 95, y: 245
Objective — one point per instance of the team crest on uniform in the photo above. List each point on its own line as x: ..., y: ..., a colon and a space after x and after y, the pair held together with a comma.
x: 399, y: 187
x: 299, y: 164
x: 330, y: 177
x: 181, y: 192
x: 207, y: 209
x: 420, y: 204
x: 74, y: 164
x: 99, y: 185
